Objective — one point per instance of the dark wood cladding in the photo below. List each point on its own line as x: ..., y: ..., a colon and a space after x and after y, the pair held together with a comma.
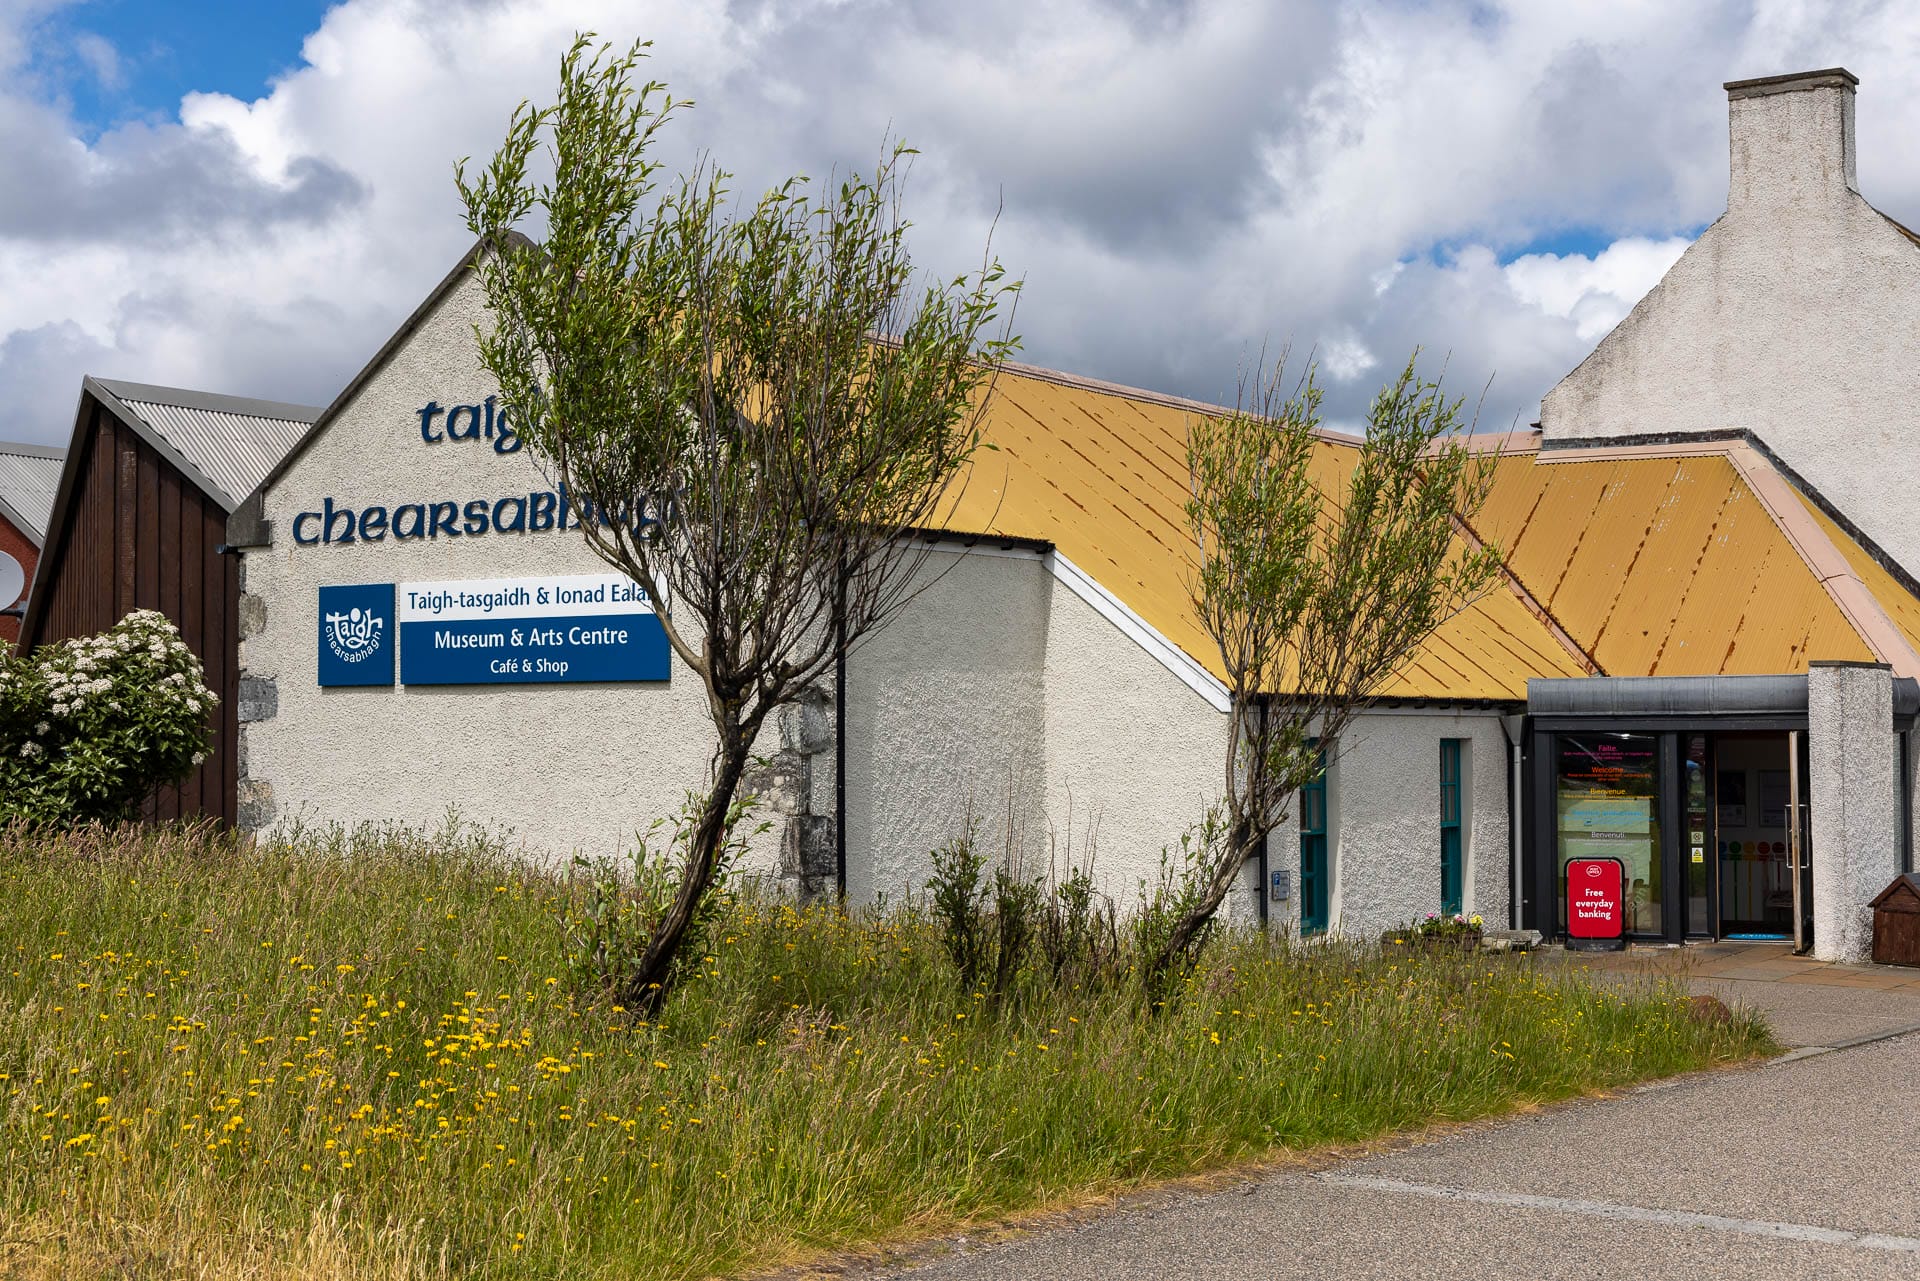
x: 137, y: 534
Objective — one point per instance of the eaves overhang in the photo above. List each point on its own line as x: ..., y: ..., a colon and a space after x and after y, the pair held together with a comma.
x: 1690, y: 698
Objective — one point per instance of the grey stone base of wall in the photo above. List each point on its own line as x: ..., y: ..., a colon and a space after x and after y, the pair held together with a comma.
x: 259, y: 700
x: 788, y: 785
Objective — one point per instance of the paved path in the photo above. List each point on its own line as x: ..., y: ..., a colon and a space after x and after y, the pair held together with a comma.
x: 1802, y: 1168
x: 1807, y: 1002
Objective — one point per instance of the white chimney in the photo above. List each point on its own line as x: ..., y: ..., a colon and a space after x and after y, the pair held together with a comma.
x: 1790, y: 140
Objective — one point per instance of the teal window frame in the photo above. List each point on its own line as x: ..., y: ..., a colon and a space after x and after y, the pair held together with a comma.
x: 1452, y: 862
x: 1314, y: 874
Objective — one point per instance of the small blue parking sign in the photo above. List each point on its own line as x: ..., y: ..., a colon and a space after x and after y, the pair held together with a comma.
x: 357, y: 635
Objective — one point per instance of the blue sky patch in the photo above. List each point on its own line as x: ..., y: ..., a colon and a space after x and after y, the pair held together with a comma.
x: 121, y: 60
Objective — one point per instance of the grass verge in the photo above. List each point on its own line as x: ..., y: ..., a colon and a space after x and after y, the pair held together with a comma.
x: 357, y: 1057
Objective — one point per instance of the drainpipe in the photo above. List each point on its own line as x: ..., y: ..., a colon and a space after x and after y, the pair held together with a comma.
x: 1260, y: 890
x: 1514, y: 728
x: 840, y: 739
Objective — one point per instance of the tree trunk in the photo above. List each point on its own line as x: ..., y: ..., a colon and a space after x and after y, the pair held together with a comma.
x: 1179, y: 938
x: 648, y: 989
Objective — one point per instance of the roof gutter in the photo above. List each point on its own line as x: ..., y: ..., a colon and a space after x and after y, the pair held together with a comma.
x: 1671, y: 697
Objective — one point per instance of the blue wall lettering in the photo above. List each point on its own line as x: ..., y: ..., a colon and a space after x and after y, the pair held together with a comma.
x: 538, y: 512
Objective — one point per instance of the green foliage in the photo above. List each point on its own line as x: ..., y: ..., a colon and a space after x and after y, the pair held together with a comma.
x: 615, y: 906
x: 1318, y: 575
x: 1434, y: 925
x: 1080, y: 936
x: 752, y: 403
x: 957, y: 895
x: 90, y: 727
x: 990, y: 927
x: 1016, y: 913
x: 1178, y: 894
x: 353, y: 1055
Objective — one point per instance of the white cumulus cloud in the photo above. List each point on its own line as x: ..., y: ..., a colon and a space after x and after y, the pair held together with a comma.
x: 1179, y: 183
x: 1594, y: 292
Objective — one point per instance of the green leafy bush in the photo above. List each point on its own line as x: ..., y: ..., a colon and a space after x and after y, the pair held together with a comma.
x: 613, y: 911
x: 89, y: 727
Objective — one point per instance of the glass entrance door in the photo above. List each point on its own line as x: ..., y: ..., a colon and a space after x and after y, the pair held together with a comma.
x: 1752, y: 813
x: 1607, y: 805
x: 1702, y: 821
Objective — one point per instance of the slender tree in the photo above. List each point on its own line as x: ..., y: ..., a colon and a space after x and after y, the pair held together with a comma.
x: 1317, y: 581
x: 754, y: 405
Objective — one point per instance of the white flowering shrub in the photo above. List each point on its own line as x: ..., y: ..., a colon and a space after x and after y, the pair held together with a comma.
x: 90, y: 727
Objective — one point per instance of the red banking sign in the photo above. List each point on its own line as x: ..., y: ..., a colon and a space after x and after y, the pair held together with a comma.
x: 1596, y: 900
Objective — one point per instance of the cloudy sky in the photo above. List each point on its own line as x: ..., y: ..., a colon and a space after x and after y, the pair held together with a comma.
x: 248, y: 197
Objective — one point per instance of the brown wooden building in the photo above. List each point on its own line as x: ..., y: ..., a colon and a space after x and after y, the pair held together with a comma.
x: 139, y: 522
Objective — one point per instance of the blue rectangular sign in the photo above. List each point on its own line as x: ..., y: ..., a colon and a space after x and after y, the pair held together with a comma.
x: 506, y: 631
x: 357, y: 635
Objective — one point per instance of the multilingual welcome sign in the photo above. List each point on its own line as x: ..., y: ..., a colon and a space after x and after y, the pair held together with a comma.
x: 494, y: 631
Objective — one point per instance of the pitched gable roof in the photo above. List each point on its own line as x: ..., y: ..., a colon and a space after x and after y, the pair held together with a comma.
x: 248, y: 527
x: 224, y: 444
x: 1694, y: 558
x: 216, y: 442
x: 1638, y: 560
x: 29, y: 479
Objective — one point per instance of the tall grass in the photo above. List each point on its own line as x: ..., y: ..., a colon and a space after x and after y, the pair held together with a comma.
x: 359, y: 1057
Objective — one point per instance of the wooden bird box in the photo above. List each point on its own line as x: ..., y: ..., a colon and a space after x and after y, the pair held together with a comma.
x: 1896, y: 922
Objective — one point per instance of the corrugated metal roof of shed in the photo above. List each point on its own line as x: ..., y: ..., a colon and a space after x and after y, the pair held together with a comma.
x: 234, y: 441
x: 1663, y: 566
x: 29, y: 479
x: 1102, y: 475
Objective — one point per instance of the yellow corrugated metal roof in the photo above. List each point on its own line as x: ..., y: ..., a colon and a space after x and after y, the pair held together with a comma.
x: 1102, y: 475
x: 1649, y: 562
x: 1663, y: 566
x: 1901, y: 605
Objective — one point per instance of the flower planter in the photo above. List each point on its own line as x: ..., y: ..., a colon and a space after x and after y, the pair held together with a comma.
x: 1452, y: 941
x: 1464, y: 941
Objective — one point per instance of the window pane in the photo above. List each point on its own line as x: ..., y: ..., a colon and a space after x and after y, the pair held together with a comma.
x: 1697, y: 845
x: 1607, y: 805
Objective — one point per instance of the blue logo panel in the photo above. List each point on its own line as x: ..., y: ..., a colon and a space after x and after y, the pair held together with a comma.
x: 357, y: 635
x: 534, y: 651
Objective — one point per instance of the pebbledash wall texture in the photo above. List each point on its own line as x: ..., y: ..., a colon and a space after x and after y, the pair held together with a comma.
x: 1009, y: 695
x: 991, y: 684
x: 568, y: 767
x: 1790, y: 318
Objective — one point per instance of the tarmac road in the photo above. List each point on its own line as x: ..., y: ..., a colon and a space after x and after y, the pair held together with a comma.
x: 1805, y: 1167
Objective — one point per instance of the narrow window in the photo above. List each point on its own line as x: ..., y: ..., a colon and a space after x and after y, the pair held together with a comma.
x: 1313, y: 852
x: 1452, y: 896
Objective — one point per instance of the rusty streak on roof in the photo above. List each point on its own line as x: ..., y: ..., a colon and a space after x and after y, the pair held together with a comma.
x: 1675, y: 559
x: 1666, y: 563
x: 1101, y: 473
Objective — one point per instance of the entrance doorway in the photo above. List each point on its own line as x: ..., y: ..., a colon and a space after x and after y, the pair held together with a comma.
x: 1740, y: 818
x: 1702, y: 823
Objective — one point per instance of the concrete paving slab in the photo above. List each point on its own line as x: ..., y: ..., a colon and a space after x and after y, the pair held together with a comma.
x: 1806, y: 1002
x: 1802, y: 1014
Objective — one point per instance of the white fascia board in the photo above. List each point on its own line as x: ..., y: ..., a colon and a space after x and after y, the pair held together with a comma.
x: 1139, y: 631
